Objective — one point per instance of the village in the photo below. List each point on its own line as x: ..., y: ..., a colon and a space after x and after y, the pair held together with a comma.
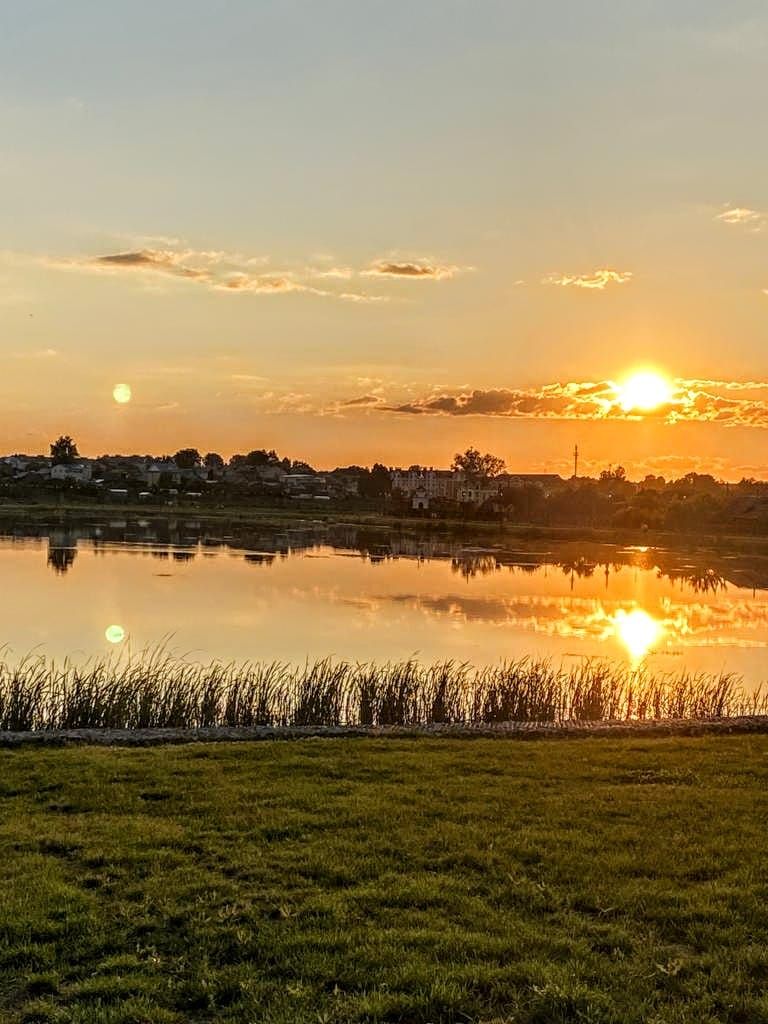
x: 191, y: 477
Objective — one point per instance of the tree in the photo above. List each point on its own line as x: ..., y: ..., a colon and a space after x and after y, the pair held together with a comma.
x: 213, y: 460
x: 64, y: 451
x: 613, y: 474
x: 375, y: 484
x: 477, y: 466
x: 187, y: 458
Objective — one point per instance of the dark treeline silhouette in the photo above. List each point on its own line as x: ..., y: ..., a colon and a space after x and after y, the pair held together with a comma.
x: 695, y: 503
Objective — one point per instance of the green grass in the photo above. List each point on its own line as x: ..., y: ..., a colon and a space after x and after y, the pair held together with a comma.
x: 363, y: 881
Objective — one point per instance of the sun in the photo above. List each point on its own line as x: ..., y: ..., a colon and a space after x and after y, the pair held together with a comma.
x: 638, y: 631
x: 644, y: 391
x: 122, y: 393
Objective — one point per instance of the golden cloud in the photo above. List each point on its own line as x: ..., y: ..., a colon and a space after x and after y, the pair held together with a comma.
x: 597, y: 280
x: 742, y: 216
x: 233, y: 273
x: 690, y: 401
x: 414, y: 270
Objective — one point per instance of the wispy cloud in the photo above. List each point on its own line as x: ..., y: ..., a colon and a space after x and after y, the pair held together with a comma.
x: 333, y: 273
x: 414, y: 270
x: 742, y: 216
x: 160, y: 261
x: 363, y: 400
x: 259, y: 284
x: 234, y: 273
x: 690, y: 401
x: 597, y: 280
x: 39, y: 353
x: 362, y: 297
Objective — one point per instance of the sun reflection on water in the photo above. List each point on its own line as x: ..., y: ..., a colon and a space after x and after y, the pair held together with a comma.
x: 638, y: 631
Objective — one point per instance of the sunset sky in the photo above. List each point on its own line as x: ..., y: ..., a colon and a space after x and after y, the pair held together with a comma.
x: 368, y: 231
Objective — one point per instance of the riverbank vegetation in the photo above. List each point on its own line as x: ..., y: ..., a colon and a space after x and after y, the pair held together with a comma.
x: 158, y: 690
x: 369, y: 882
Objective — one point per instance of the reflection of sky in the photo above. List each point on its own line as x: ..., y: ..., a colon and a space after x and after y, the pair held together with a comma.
x: 323, y: 602
x: 664, y: 623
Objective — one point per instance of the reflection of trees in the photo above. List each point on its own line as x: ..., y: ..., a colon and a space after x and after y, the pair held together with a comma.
x: 258, y: 558
x: 470, y: 566
x: 578, y: 567
x: 704, y: 571
x: 700, y: 580
x: 60, y: 559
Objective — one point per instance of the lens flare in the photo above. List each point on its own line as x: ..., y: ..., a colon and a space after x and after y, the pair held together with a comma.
x: 122, y: 393
x: 115, y: 634
x: 644, y: 392
x: 638, y: 632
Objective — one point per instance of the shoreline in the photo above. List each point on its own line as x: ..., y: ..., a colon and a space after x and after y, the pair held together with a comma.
x: 608, y: 729
x: 492, y: 531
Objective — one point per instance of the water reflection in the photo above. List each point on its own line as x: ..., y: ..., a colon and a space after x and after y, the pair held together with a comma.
x: 185, y: 540
x: 239, y: 590
x: 61, y: 559
x: 638, y: 632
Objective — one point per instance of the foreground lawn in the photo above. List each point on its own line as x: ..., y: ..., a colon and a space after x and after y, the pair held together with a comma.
x: 419, y: 881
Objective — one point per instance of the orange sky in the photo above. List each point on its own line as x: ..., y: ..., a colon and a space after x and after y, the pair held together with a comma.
x: 288, y: 229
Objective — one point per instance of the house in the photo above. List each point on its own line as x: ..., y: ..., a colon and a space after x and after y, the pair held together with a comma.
x: 79, y: 472
x: 436, y: 483
x: 477, y: 492
x: 424, y: 485
x: 300, y: 484
x: 152, y: 474
x: 420, y: 500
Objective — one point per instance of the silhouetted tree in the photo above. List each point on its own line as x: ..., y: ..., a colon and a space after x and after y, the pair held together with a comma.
x: 477, y: 466
x: 64, y: 451
x: 187, y: 458
x: 213, y: 460
x: 375, y: 484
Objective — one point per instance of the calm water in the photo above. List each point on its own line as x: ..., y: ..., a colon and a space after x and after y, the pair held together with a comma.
x: 313, y: 591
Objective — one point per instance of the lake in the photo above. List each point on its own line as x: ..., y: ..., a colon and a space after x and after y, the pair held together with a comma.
x: 244, y: 592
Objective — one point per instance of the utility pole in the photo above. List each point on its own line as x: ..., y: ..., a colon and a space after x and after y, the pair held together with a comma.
x: 575, y: 461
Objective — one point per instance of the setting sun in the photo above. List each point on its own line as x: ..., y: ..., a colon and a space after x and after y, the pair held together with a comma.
x: 638, y: 631
x: 644, y: 391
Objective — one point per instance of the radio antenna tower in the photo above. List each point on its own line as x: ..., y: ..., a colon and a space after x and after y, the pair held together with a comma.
x: 575, y: 461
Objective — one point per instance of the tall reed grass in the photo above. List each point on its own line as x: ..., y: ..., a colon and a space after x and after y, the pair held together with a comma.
x: 158, y: 690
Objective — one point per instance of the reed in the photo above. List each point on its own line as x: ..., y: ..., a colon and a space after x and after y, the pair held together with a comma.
x: 159, y: 690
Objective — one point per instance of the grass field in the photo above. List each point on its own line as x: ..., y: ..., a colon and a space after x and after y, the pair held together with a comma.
x: 415, y: 881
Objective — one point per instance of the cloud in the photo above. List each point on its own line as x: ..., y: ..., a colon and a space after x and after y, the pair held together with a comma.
x: 233, y: 273
x: 362, y: 297
x: 415, y: 270
x: 690, y: 401
x: 598, y: 280
x: 742, y: 216
x: 362, y: 401
x: 260, y: 284
x: 160, y: 261
x: 40, y: 353
x: 335, y: 273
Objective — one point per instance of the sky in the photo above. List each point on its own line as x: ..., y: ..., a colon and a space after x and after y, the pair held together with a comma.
x: 359, y: 231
